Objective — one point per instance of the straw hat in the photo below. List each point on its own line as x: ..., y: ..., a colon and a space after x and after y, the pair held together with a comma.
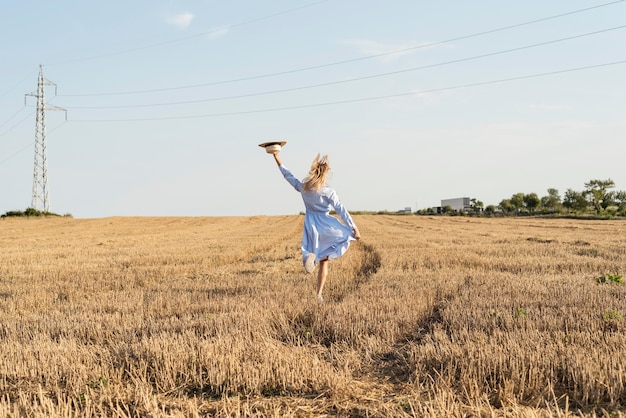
x: 273, y: 147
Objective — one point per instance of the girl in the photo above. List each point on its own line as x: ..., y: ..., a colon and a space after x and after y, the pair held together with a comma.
x: 324, y: 237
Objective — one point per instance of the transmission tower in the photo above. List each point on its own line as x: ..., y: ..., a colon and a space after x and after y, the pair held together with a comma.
x: 41, y: 196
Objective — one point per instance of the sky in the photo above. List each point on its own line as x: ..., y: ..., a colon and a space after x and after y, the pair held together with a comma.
x: 165, y: 102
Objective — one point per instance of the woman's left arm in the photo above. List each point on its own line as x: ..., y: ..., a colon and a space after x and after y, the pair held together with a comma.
x: 344, y: 214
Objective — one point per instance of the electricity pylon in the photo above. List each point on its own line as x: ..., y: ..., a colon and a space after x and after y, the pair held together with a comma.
x: 41, y: 195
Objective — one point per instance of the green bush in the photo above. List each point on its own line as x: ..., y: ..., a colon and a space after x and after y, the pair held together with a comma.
x: 29, y: 212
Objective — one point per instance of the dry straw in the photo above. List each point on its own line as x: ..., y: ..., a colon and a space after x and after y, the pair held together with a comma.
x: 425, y: 317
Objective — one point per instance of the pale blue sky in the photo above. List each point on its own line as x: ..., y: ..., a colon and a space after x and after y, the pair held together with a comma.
x: 167, y: 100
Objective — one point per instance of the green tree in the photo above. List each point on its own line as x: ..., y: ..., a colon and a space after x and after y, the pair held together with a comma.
x: 575, y: 201
x: 532, y: 201
x: 598, y: 194
x: 620, y: 201
x: 552, y: 202
x: 477, y: 205
x: 517, y: 200
x: 506, y: 206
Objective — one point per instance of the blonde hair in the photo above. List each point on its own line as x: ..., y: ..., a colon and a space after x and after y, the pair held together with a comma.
x: 317, y: 174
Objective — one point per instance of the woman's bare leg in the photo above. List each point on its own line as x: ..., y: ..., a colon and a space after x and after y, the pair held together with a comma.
x: 322, y: 273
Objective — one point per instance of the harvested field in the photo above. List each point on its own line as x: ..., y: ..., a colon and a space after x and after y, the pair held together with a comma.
x: 425, y: 317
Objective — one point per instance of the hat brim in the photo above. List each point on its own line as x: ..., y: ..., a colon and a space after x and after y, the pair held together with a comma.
x: 267, y: 144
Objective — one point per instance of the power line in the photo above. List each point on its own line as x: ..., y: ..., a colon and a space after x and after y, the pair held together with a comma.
x: 17, y: 152
x: 17, y: 123
x: 17, y: 84
x: 389, y: 96
x: 141, y: 48
x: 406, y: 70
x: 315, y: 67
x: 11, y: 117
x: 16, y: 113
x: 29, y: 146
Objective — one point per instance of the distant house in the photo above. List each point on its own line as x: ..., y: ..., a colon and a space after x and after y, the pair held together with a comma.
x: 405, y: 210
x: 459, y: 204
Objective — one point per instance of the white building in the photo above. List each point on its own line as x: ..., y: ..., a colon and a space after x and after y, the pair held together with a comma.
x: 458, y: 204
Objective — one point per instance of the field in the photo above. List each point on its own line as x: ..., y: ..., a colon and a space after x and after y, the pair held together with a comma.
x: 425, y: 317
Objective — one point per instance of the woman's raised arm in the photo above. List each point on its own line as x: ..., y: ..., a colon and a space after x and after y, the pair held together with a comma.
x: 277, y: 159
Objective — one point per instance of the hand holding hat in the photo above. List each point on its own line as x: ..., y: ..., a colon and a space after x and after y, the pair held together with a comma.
x: 273, y: 147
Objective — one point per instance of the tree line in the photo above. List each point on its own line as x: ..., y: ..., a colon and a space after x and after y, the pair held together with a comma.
x: 598, y: 198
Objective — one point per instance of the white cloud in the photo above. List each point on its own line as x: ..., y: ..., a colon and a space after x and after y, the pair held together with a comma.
x: 181, y: 20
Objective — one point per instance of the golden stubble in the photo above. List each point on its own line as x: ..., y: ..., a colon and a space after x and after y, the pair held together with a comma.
x: 426, y: 316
